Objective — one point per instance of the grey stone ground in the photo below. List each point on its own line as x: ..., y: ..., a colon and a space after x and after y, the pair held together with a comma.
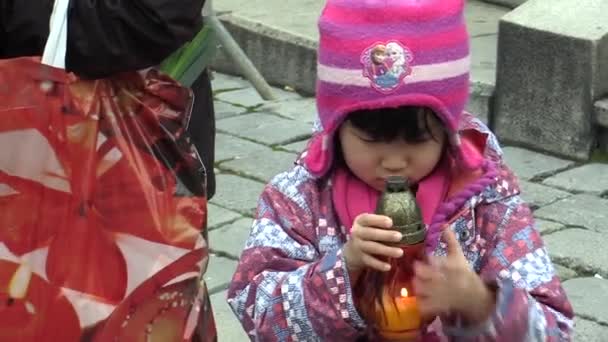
x: 257, y: 140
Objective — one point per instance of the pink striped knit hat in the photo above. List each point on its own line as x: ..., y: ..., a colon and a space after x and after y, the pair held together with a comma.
x: 379, y: 54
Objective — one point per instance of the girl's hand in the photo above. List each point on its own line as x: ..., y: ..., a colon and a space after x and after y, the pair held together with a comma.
x: 367, y: 242
x: 448, y: 285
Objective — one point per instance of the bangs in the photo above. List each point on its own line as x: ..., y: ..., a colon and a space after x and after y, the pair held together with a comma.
x: 388, y: 124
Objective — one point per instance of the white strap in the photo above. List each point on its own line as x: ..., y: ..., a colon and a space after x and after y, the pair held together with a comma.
x: 55, y: 48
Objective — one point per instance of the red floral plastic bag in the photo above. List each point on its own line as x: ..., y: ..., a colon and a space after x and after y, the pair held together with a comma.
x: 102, y: 209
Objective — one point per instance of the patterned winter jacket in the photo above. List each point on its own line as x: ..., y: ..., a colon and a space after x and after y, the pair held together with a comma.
x: 291, y: 283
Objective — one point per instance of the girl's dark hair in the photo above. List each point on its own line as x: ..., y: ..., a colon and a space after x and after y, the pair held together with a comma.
x: 388, y: 124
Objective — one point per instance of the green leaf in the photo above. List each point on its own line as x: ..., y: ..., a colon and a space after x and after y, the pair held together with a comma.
x: 186, y: 64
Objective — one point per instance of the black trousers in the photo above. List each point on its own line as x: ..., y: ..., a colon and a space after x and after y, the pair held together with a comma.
x: 202, y: 127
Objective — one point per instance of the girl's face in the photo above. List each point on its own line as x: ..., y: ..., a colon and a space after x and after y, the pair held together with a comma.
x: 374, y: 161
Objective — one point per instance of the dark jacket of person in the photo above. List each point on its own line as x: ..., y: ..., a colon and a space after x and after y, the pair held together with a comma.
x: 111, y: 36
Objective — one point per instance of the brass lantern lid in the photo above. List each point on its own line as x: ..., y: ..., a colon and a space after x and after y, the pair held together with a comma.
x: 399, y: 203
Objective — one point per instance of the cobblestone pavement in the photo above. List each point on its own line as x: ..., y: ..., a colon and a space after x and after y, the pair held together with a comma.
x: 257, y: 139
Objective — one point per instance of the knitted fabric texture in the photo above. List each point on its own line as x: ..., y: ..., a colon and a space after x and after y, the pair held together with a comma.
x: 381, y: 54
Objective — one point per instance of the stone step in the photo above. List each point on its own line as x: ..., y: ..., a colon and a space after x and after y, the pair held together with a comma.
x: 506, y: 3
x: 601, y: 116
x: 281, y: 38
x: 553, y: 64
x: 601, y: 112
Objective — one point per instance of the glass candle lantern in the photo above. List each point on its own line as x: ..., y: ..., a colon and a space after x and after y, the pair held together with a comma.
x: 387, y: 300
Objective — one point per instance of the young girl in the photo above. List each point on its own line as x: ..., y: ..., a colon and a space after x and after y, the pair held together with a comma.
x: 489, y: 277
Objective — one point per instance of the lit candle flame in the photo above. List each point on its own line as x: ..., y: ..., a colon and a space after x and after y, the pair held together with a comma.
x: 404, y: 292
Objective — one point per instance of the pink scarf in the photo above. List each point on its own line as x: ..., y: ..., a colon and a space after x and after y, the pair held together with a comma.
x: 352, y: 197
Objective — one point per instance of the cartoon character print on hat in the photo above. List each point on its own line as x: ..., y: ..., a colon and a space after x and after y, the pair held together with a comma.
x: 386, y: 65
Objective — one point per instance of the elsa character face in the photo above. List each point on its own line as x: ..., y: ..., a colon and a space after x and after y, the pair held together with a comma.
x: 396, y: 53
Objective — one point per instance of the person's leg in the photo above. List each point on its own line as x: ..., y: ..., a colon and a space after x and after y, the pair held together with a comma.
x: 202, y: 127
